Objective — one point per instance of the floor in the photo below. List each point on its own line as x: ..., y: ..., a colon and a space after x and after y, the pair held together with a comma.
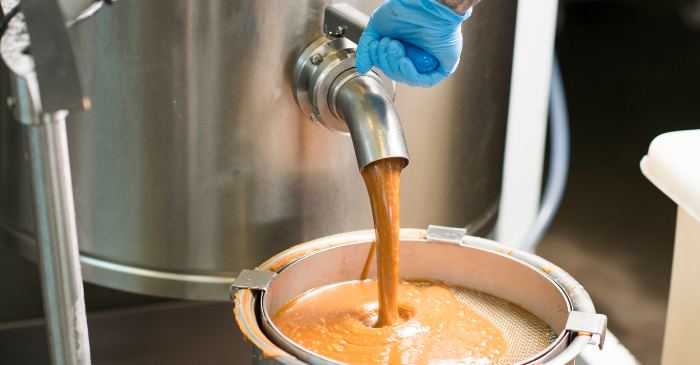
x: 631, y: 73
x: 173, y: 333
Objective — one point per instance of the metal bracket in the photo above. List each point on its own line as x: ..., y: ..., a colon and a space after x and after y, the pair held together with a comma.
x: 344, y: 20
x: 252, y: 279
x: 445, y: 234
x: 56, y: 68
x: 593, y: 323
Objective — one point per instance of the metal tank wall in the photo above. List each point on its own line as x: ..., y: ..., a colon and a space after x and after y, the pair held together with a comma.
x: 195, y: 162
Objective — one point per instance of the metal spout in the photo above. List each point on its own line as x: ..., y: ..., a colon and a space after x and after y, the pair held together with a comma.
x: 362, y: 103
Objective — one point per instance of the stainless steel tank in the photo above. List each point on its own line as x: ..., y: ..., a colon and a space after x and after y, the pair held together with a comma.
x: 195, y: 162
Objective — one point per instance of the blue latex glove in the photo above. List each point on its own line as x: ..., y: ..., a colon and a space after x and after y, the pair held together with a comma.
x: 426, y: 24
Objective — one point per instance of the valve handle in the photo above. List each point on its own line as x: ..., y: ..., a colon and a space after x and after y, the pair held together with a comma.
x: 424, y: 61
x: 342, y: 20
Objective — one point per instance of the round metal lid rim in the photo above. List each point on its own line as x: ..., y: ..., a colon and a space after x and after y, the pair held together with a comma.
x: 580, y: 299
x: 290, y: 346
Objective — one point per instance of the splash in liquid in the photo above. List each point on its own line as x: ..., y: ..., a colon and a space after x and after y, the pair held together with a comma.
x: 339, y: 322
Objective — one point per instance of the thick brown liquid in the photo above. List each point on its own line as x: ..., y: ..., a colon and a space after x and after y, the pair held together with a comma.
x: 383, y: 180
x: 410, y: 323
x: 339, y: 322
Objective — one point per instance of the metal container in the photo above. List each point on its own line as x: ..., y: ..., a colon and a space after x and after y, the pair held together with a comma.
x: 440, y: 253
x: 195, y: 161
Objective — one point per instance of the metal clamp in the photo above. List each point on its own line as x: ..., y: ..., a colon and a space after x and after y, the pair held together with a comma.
x: 592, y: 323
x: 346, y: 21
x: 252, y: 279
x: 445, y: 234
x: 327, y: 58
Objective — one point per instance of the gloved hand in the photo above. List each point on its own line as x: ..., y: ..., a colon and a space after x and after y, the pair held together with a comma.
x: 424, y: 23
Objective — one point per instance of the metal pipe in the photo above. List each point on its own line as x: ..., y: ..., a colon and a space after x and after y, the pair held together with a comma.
x: 59, y: 262
x: 362, y: 103
x: 45, y: 85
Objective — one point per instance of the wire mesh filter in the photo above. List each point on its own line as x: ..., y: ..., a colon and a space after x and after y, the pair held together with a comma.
x: 525, y: 334
x: 473, y: 271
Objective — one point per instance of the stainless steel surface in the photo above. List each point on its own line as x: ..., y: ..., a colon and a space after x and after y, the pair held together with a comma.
x: 364, y: 105
x: 46, y: 145
x: 445, y: 234
x: 324, y: 60
x: 319, y: 67
x: 252, y: 279
x: 56, y: 68
x: 329, y: 49
x: 62, y: 283
x: 344, y: 20
x: 594, y: 324
x: 486, y: 269
x: 195, y: 162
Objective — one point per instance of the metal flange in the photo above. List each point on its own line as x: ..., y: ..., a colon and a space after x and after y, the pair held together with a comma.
x: 316, y: 70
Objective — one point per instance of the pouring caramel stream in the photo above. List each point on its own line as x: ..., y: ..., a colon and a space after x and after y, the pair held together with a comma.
x: 383, y: 181
x: 386, y: 321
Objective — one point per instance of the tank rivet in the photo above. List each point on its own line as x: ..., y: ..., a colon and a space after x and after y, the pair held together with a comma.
x: 341, y: 30
x: 316, y: 59
x: 11, y: 102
